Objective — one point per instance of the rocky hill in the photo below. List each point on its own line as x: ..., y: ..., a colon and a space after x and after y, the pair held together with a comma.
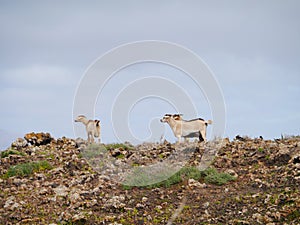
x: 63, y: 181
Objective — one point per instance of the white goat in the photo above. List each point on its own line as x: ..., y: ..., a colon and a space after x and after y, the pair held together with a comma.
x: 186, y: 128
x: 92, y: 127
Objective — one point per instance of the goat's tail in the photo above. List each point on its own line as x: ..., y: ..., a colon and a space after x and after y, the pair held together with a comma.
x: 97, y: 132
x: 209, y: 122
x: 97, y: 123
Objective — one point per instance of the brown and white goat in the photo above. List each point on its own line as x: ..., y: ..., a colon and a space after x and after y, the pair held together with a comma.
x: 92, y: 127
x: 186, y: 128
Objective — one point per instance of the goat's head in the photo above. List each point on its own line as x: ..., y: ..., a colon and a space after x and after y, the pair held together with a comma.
x: 168, y: 117
x: 80, y: 118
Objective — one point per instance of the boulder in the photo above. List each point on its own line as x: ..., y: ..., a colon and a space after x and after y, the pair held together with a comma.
x: 37, y: 139
x: 19, y: 143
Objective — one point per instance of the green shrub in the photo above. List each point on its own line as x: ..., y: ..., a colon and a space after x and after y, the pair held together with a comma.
x: 11, y: 151
x: 183, y: 174
x: 212, y: 176
x: 144, y: 178
x: 92, y: 151
x: 118, y: 145
x: 147, y: 176
x: 26, y: 169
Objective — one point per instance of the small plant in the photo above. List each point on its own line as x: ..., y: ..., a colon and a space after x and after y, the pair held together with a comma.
x: 92, y: 151
x: 144, y: 178
x: 118, y: 145
x: 149, y: 177
x: 261, y: 150
x: 212, y: 176
x: 161, y: 155
x: 26, y: 169
x: 293, y: 215
x: 11, y: 151
x: 121, y: 156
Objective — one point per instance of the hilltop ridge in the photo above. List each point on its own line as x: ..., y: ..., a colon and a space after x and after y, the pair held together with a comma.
x: 44, y: 180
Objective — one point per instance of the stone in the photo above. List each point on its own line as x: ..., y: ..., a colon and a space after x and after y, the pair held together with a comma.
x: 19, y: 143
x: 9, y: 202
x: 43, y: 191
x: 193, y: 183
x: 37, y: 139
x: 74, y: 197
x: 144, y: 199
x: 79, y: 218
x: 232, y: 173
x: 61, y: 190
x: 206, y: 205
x: 139, y: 206
x: 116, y: 202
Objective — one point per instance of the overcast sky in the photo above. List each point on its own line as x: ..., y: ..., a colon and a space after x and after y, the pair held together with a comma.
x: 252, y: 48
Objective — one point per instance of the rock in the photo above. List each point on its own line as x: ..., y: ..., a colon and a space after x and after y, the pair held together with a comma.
x: 37, y: 139
x: 116, y: 152
x: 65, y: 216
x: 43, y: 191
x: 282, y: 157
x: 116, y: 202
x: 232, y: 173
x: 258, y: 217
x: 61, y: 190
x: 80, y: 143
x: 74, y: 197
x: 158, y: 207
x: 10, y: 201
x: 19, y: 143
x: 144, y: 199
x: 140, y: 206
x: 206, y: 205
x: 239, y: 138
x: 296, y: 158
x: 193, y: 183
x: 79, y: 218
x: 10, y: 204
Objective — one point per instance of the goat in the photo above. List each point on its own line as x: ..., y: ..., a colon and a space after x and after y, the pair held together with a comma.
x: 186, y: 128
x: 92, y: 128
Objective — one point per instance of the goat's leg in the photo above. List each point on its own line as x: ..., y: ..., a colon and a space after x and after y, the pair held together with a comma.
x: 88, y: 139
x: 92, y: 139
x: 202, y: 136
x: 97, y: 137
